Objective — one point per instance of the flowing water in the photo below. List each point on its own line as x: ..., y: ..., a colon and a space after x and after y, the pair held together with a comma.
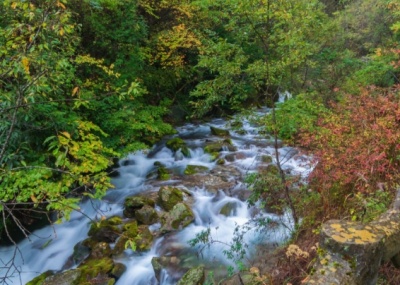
x: 50, y: 248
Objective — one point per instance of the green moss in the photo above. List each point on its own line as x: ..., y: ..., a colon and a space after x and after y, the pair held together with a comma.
x: 93, y: 268
x: 163, y: 173
x: 177, y: 143
x: 169, y: 197
x: 219, y: 132
x: 193, y: 169
x: 38, y: 280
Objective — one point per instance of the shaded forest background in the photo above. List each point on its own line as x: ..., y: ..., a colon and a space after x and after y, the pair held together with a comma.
x: 84, y: 82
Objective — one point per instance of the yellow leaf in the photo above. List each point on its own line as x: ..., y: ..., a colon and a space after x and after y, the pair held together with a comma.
x: 75, y: 91
x: 61, y: 32
x: 25, y: 63
x: 14, y: 5
x: 59, y: 4
x: 66, y: 134
x: 33, y: 198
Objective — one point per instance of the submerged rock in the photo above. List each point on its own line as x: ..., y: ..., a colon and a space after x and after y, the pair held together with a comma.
x: 169, y: 197
x: 194, y: 276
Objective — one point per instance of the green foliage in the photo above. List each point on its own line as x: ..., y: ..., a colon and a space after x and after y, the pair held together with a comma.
x: 293, y: 115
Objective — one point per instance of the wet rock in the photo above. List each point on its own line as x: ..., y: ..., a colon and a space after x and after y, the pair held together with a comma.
x: 38, y: 280
x: 240, y: 279
x: 118, y: 270
x: 107, y: 230
x: 176, y: 144
x: 144, y: 239
x: 219, y: 132
x: 100, y: 250
x: 169, y: 197
x: 68, y: 277
x: 266, y: 159
x: 134, y: 203
x: 163, y: 263
x: 139, y: 235
x: 192, y: 169
x: 228, y: 209
x: 146, y: 215
x: 163, y: 173
x: 96, y: 271
x: 194, y: 276
x: 215, y: 147
x: 179, y: 217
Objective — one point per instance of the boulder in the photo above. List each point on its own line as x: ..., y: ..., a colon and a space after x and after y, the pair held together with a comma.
x: 106, y: 230
x: 179, y: 217
x: 352, y: 252
x: 219, y: 132
x: 194, y: 276
x: 169, y: 197
x: 134, y: 203
x: 176, y: 144
x: 215, y: 147
x: 96, y: 271
x: 118, y: 270
x: 192, y: 169
x: 163, y: 263
x: 38, y: 280
x: 146, y: 215
x: 68, y: 277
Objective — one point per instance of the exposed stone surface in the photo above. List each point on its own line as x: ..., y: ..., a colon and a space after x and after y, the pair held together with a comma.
x: 219, y: 132
x: 192, y: 169
x: 146, y: 215
x: 169, y: 197
x: 179, y: 217
x: 106, y: 231
x: 135, y: 203
x: 68, y: 277
x: 194, y: 276
x: 176, y: 144
x: 353, y: 252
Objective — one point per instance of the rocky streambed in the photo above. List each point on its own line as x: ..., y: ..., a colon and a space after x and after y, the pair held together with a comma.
x: 187, y: 187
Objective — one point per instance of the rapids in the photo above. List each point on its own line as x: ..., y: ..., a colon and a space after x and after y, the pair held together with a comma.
x: 50, y: 248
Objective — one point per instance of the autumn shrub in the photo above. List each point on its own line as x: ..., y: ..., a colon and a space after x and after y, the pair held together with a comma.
x: 357, y: 146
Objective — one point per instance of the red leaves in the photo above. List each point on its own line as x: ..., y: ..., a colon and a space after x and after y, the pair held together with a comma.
x: 358, y: 145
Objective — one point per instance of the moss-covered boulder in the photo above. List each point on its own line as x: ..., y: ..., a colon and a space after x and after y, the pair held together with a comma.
x: 169, y: 196
x: 193, y: 169
x: 176, y: 144
x: 130, y: 229
x: 228, y: 209
x: 100, y: 250
x: 219, y: 132
x: 163, y: 173
x: 38, y: 280
x: 164, y: 263
x: 194, y: 276
x: 118, y: 270
x: 266, y: 158
x: 179, y: 217
x: 69, y: 277
x: 216, y: 147
x: 146, y: 215
x: 144, y: 239
x: 106, y: 230
x: 95, y: 270
x: 140, y: 235
x: 134, y: 203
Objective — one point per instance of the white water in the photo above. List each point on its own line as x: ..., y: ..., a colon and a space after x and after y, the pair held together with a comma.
x: 51, y: 247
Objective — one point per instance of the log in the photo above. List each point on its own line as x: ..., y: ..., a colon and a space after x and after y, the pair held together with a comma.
x: 351, y: 253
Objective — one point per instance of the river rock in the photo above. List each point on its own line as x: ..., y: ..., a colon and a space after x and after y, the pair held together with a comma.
x: 192, y: 169
x: 219, y: 132
x: 96, y: 271
x: 169, y: 196
x: 107, y: 230
x: 100, y: 250
x: 38, y: 280
x: 176, y: 144
x: 240, y: 279
x: 68, y: 277
x: 194, y: 276
x: 163, y: 263
x: 216, y: 147
x: 134, y: 203
x: 144, y: 239
x: 179, y: 217
x: 146, y: 215
x: 118, y: 270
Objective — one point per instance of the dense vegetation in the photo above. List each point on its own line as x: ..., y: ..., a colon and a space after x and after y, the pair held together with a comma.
x: 84, y: 82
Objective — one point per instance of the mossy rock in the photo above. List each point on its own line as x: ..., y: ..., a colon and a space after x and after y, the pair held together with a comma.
x: 194, y: 276
x: 134, y: 203
x: 271, y: 169
x: 219, y: 132
x: 94, y: 268
x: 214, y: 156
x: 193, y: 169
x: 266, y: 158
x: 237, y: 124
x: 38, y: 280
x: 219, y: 146
x: 228, y: 208
x: 145, y: 238
x: 100, y: 250
x: 146, y: 215
x: 107, y: 230
x: 169, y: 197
x: 69, y: 277
x: 163, y: 173
x: 130, y: 229
x: 81, y: 251
x: 221, y: 161
x: 177, y: 143
x: 118, y: 270
x: 179, y: 217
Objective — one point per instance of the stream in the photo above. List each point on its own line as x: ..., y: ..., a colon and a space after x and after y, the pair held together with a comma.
x: 218, y: 200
